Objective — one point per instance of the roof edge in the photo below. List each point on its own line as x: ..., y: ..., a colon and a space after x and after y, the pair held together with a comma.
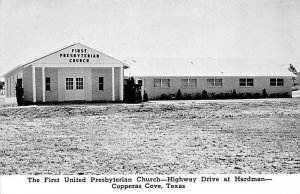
x: 10, y: 71
x: 26, y: 64
x: 126, y: 66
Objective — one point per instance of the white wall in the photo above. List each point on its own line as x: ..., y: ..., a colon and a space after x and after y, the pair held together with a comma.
x: 65, y: 72
x: 10, y: 83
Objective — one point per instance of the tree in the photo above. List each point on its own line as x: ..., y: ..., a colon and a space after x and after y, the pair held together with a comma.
x: 132, y: 92
x: 145, y: 96
x: 178, y: 95
x: 1, y: 85
x: 292, y: 69
x: 19, y: 92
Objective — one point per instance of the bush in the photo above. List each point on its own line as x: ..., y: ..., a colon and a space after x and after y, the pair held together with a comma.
x: 204, y: 94
x: 234, y: 95
x: 241, y: 95
x: 164, y: 97
x: 197, y: 96
x: 228, y: 95
x: 264, y: 93
x: 257, y: 95
x: 145, y: 97
x: 212, y: 95
x: 19, y: 92
x: 221, y: 95
x: 132, y: 92
x: 286, y: 95
x: 178, y: 95
x: 187, y: 96
x: 248, y: 95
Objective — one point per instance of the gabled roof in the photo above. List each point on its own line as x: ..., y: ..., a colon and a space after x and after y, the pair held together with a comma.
x: 62, y: 49
x: 44, y: 56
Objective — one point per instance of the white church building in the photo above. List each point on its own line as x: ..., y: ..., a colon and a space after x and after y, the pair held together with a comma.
x: 74, y: 73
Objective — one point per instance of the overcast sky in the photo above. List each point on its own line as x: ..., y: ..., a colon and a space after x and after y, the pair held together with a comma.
x: 237, y: 29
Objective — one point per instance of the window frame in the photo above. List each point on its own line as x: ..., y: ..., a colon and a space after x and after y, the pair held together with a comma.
x: 188, y: 83
x: 155, y: 82
x: 276, y: 82
x: 47, y: 84
x: 101, y: 84
x: 79, y: 83
x: 247, y: 82
x: 162, y: 83
x: 211, y: 82
x: 69, y: 83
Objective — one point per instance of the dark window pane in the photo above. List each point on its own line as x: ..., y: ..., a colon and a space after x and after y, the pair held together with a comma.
x: 242, y: 82
x: 280, y: 82
x: 47, y: 83
x: 272, y: 82
x: 101, y: 83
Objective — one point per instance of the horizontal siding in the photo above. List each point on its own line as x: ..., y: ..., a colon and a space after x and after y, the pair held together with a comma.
x: 106, y: 94
x: 52, y: 95
x: 27, y: 83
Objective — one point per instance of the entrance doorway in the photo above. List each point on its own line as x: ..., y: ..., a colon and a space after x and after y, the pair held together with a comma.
x: 74, y: 88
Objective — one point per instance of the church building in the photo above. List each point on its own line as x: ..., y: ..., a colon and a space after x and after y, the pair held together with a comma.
x: 74, y: 73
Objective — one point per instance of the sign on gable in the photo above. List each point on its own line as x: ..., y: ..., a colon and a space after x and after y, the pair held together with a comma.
x: 79, y: 55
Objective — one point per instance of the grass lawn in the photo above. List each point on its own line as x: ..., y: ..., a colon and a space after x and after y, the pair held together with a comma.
x: 158, y: 137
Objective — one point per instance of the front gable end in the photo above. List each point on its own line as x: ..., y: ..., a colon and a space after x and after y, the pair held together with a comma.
x: 77, y: 54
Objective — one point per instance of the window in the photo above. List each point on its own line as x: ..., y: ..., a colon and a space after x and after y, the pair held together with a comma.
x: 101, y: 83
x: 69, y: 83
x: 184, y: 83
x: 246, y: 82
x: 47, y: 83
x: 165, y: 83
x: 189, y: 83
x: 280, y: 82
x: 157, y: 83
x: 276, y: 82
x: 161, y: 83
x: 79, y: 83
x: 213, y: 82
x: 193, y: 83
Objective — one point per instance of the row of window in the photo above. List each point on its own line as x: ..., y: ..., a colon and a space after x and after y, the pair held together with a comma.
x: 213, y: 82
x: 165, y: 83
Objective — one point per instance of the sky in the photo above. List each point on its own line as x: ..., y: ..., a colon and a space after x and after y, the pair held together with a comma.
x: 266, y: 30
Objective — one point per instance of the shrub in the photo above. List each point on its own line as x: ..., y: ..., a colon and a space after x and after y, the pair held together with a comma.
x: 280, y: 95
x: 257, y: 95
x: 132, y: 92
x: 248, y: 95
x: 264, y: 93
x: 234, y: 95
x: 164, y: 97
x: 286, y: 95
x: 178, y: 95
x: 187, y: 96
x: 228, y: 96
x: 204, y: 94
x: 197, y: 96
x: 221, y: 95
x: 212, y: 95
x: 241, y: 95
x: 19, y: 92
x: 145, y: 97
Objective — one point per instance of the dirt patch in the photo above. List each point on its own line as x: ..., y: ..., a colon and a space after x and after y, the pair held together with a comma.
x: 162, y: 137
